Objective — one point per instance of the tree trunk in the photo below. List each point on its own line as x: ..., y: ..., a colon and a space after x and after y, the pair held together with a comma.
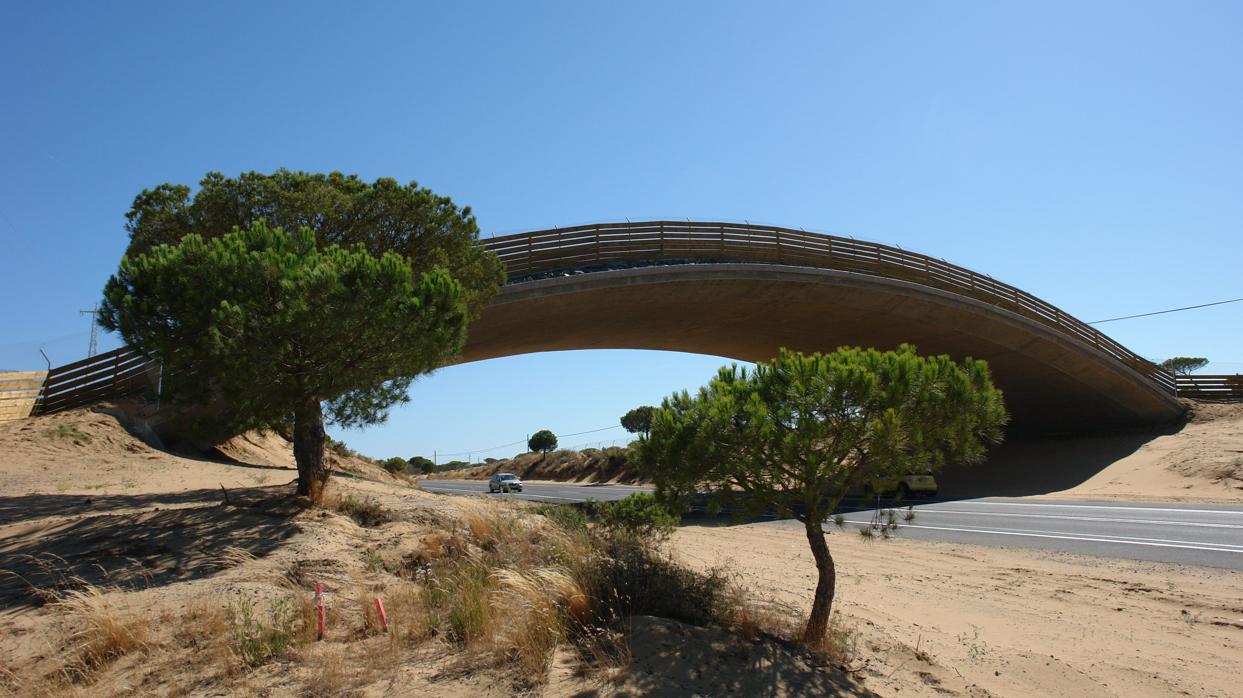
x: 818, y: 623
x: 308, y: 450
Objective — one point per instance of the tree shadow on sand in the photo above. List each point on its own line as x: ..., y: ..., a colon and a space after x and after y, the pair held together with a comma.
x: 139, y: 549
x: 674, y: 659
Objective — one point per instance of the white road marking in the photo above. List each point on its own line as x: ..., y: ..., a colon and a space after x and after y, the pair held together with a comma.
x: 1189, y: 545
x: 1236, y: 512
x: 1079, y: 518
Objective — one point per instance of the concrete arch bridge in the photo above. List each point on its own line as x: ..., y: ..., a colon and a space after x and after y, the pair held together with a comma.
x: 744, y: 291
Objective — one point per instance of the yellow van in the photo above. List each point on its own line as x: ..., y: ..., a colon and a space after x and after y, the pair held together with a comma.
x: 903, y: 486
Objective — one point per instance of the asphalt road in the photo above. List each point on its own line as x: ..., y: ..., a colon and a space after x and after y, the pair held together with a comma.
x: 1187, y: 534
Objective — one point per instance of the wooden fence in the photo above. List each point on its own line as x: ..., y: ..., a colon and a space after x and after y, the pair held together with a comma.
x: 113, y: 374
x: 1223, y: 388
x: 19, y: 392
x: 607, y: 245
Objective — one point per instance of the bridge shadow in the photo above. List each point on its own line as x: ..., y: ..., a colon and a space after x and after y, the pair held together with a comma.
x: 136, y: 549
x: 1024, y: 466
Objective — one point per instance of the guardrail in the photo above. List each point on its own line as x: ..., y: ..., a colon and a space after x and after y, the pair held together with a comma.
x: 113, y: 374
x: 608, y: 245
x: 1221, y: 388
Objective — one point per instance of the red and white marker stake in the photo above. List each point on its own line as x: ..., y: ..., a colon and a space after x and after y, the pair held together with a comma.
x: 379, y: 607
x: 320, y: 616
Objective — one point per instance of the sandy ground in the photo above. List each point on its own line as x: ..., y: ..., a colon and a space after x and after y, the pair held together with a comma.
x: 81, y: 497
x: 1003, y: 622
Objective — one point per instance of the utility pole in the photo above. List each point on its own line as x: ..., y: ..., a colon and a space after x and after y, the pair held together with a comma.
x: 94, y: 313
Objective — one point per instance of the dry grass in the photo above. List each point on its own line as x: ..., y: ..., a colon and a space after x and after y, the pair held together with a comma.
x: 365, y: 510
x: 840, y: 645
x: 537, y: 610
x: 98, y: 631
x: 330, y: 673
x: 511, y: 588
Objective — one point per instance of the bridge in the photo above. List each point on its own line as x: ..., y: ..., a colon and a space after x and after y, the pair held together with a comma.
x: 744, y: 291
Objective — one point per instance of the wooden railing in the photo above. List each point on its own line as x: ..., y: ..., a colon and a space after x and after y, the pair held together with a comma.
x: 110, y: 375
x: 611, y: 245
x: 19, y: 392
x: 1222, y: 388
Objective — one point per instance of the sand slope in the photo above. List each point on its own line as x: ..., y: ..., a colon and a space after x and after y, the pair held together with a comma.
x: 1004, y: 622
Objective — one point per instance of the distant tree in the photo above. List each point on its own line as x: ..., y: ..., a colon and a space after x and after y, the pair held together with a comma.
x: 542, y: 441
x: 430, y: 231
x: 1183, y: 365
x: 453, y: 465
x: 419, y: 464
x: 396, y: 464
x: 796, y: 434
x: 638, y: 420
x: 272, y: 328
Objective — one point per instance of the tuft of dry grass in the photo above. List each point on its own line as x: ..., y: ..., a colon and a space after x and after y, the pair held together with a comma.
x: 256, y: 637
x: 330, y: 673
x: 536, y: 610
x: 99, y: 632
x: 366, y: 511
x: 840, y: 645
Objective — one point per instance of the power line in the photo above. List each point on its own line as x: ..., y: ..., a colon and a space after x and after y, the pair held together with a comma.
x: 1162, y: 312
x: 515, y: 443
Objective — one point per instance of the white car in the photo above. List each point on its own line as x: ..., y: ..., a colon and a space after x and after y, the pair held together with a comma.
x: 504, y: 482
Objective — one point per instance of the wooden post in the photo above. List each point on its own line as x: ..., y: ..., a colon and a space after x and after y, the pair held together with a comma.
x: 320, y: 614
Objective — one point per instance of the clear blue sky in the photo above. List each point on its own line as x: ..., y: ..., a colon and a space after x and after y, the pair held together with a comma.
x: 1090, y: 153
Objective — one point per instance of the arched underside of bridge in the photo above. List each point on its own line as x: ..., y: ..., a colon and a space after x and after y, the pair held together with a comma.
x: 1052, y: 382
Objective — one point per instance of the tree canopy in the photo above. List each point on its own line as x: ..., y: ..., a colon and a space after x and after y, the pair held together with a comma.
x: 422, y: 464
x: 638, y: 420
x: 797, y: 433
x: 1183, y: 365
x: 383, y: 216
x: 269, y: 327
x: 542, y: 441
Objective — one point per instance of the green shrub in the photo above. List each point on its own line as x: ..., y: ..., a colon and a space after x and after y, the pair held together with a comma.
x: 639, y: 515
x: 633, y: 578
x: 68, y: 431
x: 394, y: 464
x: 570, y: 518
x: 255, y: 639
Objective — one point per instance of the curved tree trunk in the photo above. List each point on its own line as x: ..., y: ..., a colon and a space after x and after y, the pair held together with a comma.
x: 818, y: 623
x: 308, y: 450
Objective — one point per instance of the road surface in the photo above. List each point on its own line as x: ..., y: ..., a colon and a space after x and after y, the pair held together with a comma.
x: 1188, y: 534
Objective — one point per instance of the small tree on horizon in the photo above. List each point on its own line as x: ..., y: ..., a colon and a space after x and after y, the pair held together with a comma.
x: 638, y: 420
x: 1184, y: 365
x: 799, y: 432
x: 542, y: 441
x: 271, y: 329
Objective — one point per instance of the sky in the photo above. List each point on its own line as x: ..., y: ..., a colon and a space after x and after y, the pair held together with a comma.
x: 1089, y: 153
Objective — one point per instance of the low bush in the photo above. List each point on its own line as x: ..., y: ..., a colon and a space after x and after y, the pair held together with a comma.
x: 366, y: 511
x: 640, y: 515
x: 256, y: 638
x: 569, y: 518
